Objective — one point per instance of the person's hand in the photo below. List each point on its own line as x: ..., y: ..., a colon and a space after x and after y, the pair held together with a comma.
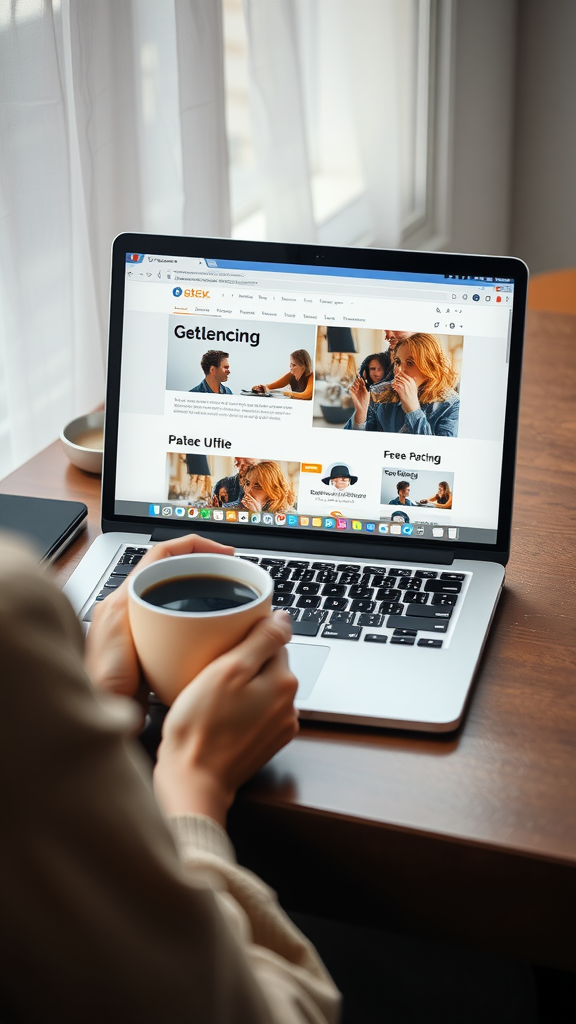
x: 251, y: 503
x: 111, y: 659
x: 407, y: 391
x: 227, y: 723
x: 260, y: 389
x: 361, y: 398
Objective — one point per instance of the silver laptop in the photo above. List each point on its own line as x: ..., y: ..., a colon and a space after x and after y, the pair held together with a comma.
x: 346, y: 417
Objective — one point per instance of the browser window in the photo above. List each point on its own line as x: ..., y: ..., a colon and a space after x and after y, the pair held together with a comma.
x: 318, y: 398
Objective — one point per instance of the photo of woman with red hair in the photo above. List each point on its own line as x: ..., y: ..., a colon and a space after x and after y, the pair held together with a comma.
x: 267, y: 489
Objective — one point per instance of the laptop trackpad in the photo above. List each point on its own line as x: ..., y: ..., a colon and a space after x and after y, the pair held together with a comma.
x: 306, y: 662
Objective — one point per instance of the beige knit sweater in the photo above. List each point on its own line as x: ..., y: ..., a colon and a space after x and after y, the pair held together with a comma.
x: 109, y: 914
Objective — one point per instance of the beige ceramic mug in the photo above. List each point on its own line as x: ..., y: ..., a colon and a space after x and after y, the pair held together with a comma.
x: 173, y: 646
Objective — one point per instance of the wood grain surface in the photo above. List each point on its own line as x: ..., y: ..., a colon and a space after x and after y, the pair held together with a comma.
x: 470, y: 836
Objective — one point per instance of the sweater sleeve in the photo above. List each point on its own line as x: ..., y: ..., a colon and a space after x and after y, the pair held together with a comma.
x: 104, y: 916
x: 306, y: 395
x: 280, y: 383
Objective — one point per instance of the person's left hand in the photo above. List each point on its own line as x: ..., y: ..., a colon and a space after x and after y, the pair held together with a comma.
x: 251, y: 503
x: 407, y: 391
x: 111, y: 659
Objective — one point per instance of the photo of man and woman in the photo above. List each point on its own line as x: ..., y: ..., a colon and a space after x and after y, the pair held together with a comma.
x: 213, y: 356
x: 220, y: 482
x: 422, y: 488
x: 388, y: 381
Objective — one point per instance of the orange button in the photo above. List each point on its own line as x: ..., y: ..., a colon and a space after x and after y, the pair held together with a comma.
x: 311, y: 467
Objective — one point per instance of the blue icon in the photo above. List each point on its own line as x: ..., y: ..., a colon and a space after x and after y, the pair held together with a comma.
x: 476, y: 297
x: 292, y: 520
x: 371, y: 527
x: 407, y: 529
x: 153, y: 510
x: 180, y: 511
x: 329, y: 523
x: 177, y: 292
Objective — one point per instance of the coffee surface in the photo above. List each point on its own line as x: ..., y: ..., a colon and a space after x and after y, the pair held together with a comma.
x: 200, y: 594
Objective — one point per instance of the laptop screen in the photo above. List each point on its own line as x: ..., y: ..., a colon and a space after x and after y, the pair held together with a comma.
x: 324, y: 399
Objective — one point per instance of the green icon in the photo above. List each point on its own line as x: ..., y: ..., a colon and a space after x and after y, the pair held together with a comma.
x: 205, y: 513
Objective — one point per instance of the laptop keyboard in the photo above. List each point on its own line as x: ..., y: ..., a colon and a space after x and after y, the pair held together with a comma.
x: 347, y: 601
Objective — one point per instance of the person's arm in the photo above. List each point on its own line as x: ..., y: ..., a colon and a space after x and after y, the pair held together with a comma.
x: 99, y: 908
x: 280, y: 383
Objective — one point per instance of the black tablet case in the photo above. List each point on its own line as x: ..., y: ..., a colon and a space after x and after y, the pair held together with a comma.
x: 47, y: 522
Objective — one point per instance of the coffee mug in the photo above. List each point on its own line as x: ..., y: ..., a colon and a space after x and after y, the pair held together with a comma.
x: 174, y: 645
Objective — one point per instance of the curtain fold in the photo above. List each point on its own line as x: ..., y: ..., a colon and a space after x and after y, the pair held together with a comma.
x: 111, y: 119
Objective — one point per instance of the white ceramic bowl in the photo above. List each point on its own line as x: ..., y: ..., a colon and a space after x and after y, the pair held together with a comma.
x: 83, y: 441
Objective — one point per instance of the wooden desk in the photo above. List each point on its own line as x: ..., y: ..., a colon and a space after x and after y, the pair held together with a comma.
x: 469, y: 837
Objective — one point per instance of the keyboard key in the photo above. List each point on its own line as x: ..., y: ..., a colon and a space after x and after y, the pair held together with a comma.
x: 312, y: 615
x: 326, y: 576
x: 339, y: 604
x: 390, y: 608
x: 292, y: 612
x: 305, y: 575
x: 429, y: 641
x: 409, y: 583
x: 404, y: 632
x: 305, y: 628
x: 340, y: 631
x: 377, y: 570
x: 333, y: 590
x: 429, y: 625
x: 375, y: 638
x: 444, y: 599
x: 358, y: 605
x: 273, y: 561
x: 308, y: 588
x: 342, y: 617
x: 308, y: 601
x: 452, y: 576
x: 443, y: 586
x: 426, y: 574
x: 114, y: 582
x: 323, y: 565
x: 298, y: 565
x: 122, y: 570
x: 283, y: 600
x: 428, y: 611
x: 366, y: 593
x: 373, y: 620
x: 399, y: 572
x: 348, y: 568
x: 282, y: 587
x: 249, y: 558
x: 388, y: 594
x: 135, y: 551
x: 348, y: 578
x: 413, y: 597
x: 277, y: 572
x: 408, y: 641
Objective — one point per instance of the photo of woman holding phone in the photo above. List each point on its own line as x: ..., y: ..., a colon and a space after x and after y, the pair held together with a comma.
x: 267, y: 489
x: 421, y: 398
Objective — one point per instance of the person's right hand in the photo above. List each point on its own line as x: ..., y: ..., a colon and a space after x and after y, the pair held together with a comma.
x: 227, y: 723
x: 361, y: 398
x: 260, y: 389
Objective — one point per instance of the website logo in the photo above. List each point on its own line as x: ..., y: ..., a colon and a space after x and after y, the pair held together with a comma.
x: 177, y: 292
x: 205, y: 513
x: 292, y: 520
x: 153, y: 510
x: 179, y: 511
x: 356, y: 524
x: 218, y: 514
x: 268, y: 518
x: 280, y: 519
x: 341, y: 524
x: 167, y: 510
x: 243, y: 517
x: 383, y: 528
x: 407, y: 530
x: 255, y: 517
x: 192, y: 513
x: 329, y: 523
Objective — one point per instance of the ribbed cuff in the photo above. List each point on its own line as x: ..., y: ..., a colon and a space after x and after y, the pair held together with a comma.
x: 196, y: 833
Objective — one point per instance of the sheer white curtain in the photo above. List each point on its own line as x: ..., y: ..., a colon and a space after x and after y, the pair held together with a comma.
x: 111, y: 119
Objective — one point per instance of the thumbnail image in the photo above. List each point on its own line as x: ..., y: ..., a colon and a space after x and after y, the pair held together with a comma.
x: 245, y: 484
x: 213, y: 356
x: 339, y: 476
x: 422, y: 488
x: 388, y: 381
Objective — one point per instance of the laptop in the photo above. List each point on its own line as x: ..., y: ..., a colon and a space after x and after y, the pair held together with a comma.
x: 345, y: 417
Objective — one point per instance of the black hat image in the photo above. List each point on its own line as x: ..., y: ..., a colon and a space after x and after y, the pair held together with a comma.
x: 339, y: 470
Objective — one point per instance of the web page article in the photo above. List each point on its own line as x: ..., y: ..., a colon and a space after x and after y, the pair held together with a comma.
x: 288, y: 415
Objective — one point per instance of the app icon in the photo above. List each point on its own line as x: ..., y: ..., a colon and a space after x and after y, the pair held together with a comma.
x: 292, y: 520
x: 329, y: 523
x: 153, y: 510
x: 177, y: 292
x: 179, y: 511
x: 192, y: 513
x: 255, y: 517
x: 395, y: 528
x: 316, y: 521
x: 437, y: 531
x: 407, y: 530
x: 167, y: 510
x: 280, y: 519
x: 304, y: 521
x: 243, y: 517
x: 268, y: 518
x: 231, y: 515
x: 476, y: 297
x: 383, y: 528
x: 341, y: 524
x: 218, y: 514
x: 420, y: 531
x: 205, y: 513
x: 356, y: 524
x: 453, y: 532
x: 370, y: 527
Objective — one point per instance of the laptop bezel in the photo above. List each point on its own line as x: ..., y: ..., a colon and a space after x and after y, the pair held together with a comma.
x: 279, y: 538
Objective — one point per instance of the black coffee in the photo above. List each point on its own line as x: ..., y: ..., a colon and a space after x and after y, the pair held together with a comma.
x: 200, y: 594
